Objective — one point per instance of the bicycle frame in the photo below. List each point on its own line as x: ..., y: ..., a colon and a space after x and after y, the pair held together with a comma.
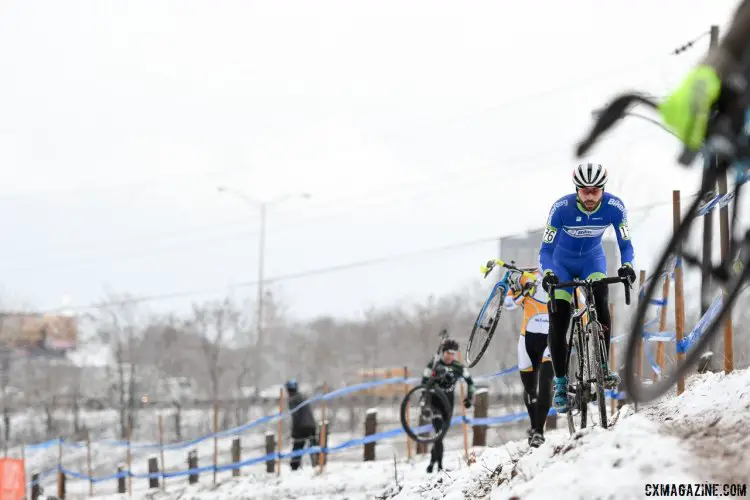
x: 587, y: 336
x: 581, y: 317
x: 512, y: 276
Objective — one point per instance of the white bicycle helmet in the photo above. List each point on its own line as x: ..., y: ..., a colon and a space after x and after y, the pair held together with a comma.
x: 589, y: 175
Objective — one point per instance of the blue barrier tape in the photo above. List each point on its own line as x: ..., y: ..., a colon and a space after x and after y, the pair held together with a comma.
x: 272, y: 418
x: 666, y: 336
x: 720, y: 200
x: 651, y: 360
x: 685, y: 344
x: 501, y: 373
x: 42, y: 446
x: 307, y: 451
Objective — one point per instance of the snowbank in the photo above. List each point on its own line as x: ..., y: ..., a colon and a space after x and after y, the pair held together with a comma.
x: 693, y: 438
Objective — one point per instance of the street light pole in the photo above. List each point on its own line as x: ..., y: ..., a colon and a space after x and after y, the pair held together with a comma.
x: 263, y: 206
x: 261, y: 263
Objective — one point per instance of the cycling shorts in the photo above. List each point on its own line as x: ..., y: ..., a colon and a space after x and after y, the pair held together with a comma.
x: 532, y: 351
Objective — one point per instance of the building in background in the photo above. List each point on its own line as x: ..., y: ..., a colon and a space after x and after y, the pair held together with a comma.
x: 38, y: 333
x: 524, y: 250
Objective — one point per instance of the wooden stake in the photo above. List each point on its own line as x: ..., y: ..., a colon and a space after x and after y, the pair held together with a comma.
x: 323, y: 430
x: 161, y: 453
x: 679, y: 296
x: 216, y: 439
x: 406, y: 390
x: 60, y: 474
x: 130, y: 456
x: 464, y: 425
x: 662, y: 324
x: 88, y: 462
x: 279, y: 429
x: 639, y: 348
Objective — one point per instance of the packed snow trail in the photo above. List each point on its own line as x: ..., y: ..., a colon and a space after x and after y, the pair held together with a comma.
x: 698, y: 437
x: 701, y: 436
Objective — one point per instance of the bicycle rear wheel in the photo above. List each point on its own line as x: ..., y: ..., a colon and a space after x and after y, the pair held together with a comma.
x: 635, y: 388
x: 426, y: 405
x: 481, y: 332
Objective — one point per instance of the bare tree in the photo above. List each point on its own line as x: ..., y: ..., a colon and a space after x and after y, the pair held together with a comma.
x: 119, y: 327
x: 5, y: 377
x: 213, y: 322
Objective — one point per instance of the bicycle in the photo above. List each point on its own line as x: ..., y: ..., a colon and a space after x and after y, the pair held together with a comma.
x: 475, y: 348
x: 591, y: 351
x: 427, y: 395
x: 728, y: 144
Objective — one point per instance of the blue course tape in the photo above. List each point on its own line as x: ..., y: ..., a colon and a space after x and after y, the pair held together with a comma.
x: 269, y: 418
x: 312, y: 450
x: 42, y: 446
x: 685, y: 344
x: 276, y: 456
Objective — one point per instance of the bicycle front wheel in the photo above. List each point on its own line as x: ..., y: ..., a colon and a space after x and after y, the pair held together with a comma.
x: 424, y: 414
x: 484, y: 327
x: 598, y: 360
x: 695, y: 346
x: 578, y: 392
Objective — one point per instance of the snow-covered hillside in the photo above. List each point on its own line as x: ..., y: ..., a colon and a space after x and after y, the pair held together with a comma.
x: 698, y: 437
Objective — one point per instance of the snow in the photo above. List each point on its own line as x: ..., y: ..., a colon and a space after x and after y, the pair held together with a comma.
x: 91, y: 354
x: 661, y: 444
x: 700, y: 436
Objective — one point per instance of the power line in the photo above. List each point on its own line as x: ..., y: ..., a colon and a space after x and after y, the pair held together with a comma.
x: 446, y: 182
x: 284, y: 277
x: 161, y: 235
x: 315, y: 272
x: 688, y: 45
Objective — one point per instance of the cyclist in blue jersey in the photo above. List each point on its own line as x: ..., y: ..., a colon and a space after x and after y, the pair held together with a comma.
x: 572, y: 248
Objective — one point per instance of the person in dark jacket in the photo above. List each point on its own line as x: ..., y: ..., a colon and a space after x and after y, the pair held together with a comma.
x: 303, y: 425
x: 448, y: 371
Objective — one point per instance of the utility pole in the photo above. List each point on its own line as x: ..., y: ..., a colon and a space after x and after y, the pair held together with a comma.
x: 261, y: 264
x: 707, y: 265
x: 724, y: 236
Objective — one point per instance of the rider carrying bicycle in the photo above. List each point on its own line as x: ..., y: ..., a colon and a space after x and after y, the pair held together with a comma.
x: 571, y: 248
x: 533, y: 353
x: 688, y: 108
x: 446, y: 370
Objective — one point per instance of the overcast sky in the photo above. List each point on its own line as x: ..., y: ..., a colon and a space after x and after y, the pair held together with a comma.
x: 412, y: 124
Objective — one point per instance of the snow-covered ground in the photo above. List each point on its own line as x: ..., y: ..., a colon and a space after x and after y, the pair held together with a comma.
x: 701, y: 436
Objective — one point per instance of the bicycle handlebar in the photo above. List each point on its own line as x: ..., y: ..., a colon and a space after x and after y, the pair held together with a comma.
x: 610, y: 115
x: 721, y: 136
x: 610, y: 280
x: 487, y: 268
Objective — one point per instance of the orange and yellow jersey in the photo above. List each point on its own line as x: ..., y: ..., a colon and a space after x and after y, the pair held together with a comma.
x: 535, y: 313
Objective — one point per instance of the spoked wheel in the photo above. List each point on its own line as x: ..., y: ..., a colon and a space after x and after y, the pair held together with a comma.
x: 732, y: 277
x: 484, y: 327
x: 578, y: 390
x: 424, y: 414
x: 597, y: 351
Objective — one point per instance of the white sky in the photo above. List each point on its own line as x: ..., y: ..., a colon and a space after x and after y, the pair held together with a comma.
x: 413, y: 124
